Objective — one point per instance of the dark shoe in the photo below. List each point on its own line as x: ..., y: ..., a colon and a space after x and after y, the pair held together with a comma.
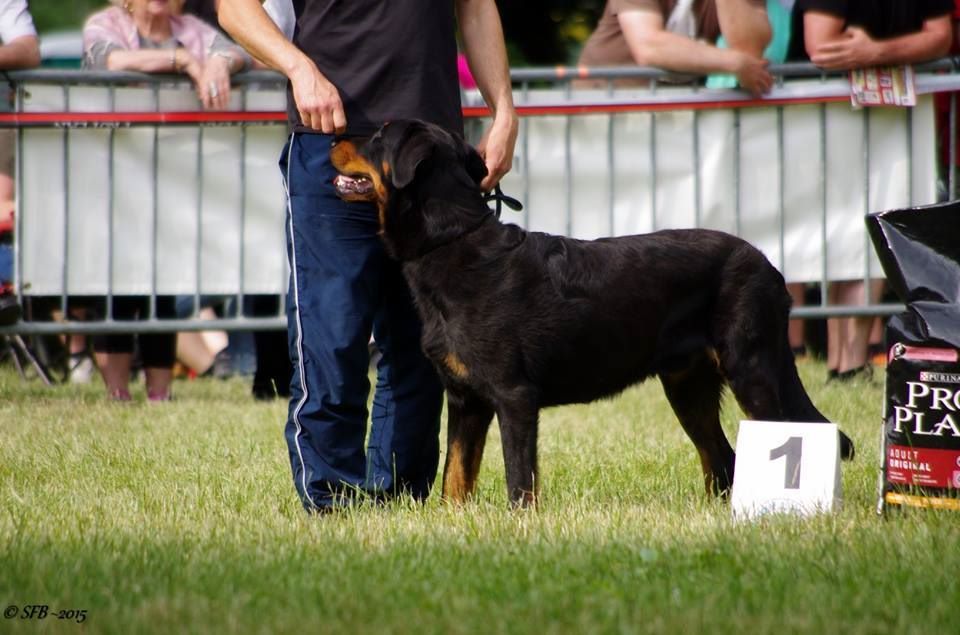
x: 864, y: 372
x: 263, y: 390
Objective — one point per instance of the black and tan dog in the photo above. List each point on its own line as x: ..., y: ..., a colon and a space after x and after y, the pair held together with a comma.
x: 516, y: 321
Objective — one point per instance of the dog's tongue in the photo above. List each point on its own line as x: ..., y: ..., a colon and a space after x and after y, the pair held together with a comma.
x: 352, y: 185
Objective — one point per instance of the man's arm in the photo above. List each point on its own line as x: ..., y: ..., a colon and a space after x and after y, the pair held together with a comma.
x: 21, y: 52
x: 486, y: 53
x: 745, y: 25
x: 317, y: 100
x: 831, y: 46
x: 652, y: 45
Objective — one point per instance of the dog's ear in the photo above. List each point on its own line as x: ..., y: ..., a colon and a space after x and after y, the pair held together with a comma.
x: 415, y: 149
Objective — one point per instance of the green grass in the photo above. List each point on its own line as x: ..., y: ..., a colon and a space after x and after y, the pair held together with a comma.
x: 182, y: 518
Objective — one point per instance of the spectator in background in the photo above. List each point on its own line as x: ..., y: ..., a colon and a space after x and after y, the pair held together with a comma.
x: 778, y: 15
x: 942, y: 101
x: 680, y: 35
x: 19, y: 48
x: 847, y: 34
x: 149, y: 36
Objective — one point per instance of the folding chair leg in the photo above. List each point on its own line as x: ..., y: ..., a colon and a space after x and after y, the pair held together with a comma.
x: 16, y: 347
x: 42, y: 372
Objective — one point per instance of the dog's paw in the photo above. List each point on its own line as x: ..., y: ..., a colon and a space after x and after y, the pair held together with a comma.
x: 847, y: 450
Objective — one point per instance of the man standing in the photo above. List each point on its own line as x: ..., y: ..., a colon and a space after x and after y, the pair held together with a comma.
x: 848, y: 34
x: 354, y: 65
x: 680, y: 35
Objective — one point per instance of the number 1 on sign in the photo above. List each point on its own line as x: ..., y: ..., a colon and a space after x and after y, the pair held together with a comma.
x: 793, y: 450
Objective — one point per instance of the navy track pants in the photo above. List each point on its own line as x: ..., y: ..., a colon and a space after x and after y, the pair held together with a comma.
x: 343, y: 286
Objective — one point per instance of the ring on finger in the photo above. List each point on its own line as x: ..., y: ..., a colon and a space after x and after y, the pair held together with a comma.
x: 213, y: 89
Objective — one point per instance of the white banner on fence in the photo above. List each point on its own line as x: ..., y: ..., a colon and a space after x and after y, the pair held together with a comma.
x: 181, y: 198
x: 172, y: 199
x: 875, y: 159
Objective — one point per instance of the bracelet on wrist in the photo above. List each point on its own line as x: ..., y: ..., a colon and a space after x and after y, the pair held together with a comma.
x: 173, y: 60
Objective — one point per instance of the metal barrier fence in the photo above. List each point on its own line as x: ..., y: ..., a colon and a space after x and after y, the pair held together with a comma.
x: 124, y: 187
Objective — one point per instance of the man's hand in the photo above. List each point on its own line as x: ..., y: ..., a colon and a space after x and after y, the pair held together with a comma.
x: 318, y: 101
x: 752, y: 74
x: 855, y: 49
x: 497, y: 146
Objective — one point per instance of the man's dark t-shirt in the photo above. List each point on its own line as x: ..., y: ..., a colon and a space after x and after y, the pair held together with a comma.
x: 389, y: 59
x: 882, y: 19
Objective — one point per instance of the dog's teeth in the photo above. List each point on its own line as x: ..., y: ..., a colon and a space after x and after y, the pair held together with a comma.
x: 351, y: 185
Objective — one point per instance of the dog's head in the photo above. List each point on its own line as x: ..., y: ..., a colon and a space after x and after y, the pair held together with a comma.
x: 424, y: 181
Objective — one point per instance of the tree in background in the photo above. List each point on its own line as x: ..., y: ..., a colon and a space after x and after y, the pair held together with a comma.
x: 547, y: 32
x: 62, y: 15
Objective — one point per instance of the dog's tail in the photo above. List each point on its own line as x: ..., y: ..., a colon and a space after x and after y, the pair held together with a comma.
x: 796, y: 403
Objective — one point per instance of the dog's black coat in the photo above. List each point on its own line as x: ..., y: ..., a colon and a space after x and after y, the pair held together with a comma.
x: 516, y: 321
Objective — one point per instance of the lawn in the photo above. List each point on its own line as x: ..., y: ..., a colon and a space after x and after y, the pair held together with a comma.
x: 182, y: 517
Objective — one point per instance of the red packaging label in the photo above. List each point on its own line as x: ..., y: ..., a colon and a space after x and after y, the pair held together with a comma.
x: 923, y: 466
x: 923, y: 353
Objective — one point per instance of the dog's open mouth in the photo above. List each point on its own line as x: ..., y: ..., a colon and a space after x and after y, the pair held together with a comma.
x: 356, y: 180
x: 353, y: 185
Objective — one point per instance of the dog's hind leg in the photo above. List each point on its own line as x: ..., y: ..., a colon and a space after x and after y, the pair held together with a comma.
x: 797, y: 405
x: 694, y: 393
x: 755, y: 355
x: 468, y: 419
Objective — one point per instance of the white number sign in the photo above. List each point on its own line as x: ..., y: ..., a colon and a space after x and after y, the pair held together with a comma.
x: 786, y: 467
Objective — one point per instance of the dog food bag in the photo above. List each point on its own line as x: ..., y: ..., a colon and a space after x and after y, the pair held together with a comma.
x: 920, y: 252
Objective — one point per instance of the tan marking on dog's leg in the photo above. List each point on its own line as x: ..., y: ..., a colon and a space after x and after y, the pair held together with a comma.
x: 455, y: 480
x: 461, y: 470
x: 707, y: 468
x: 455, y: 365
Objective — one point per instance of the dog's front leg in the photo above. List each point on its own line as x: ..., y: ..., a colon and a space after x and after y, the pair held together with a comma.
x: 468, y: 419
x: 518, y: 432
